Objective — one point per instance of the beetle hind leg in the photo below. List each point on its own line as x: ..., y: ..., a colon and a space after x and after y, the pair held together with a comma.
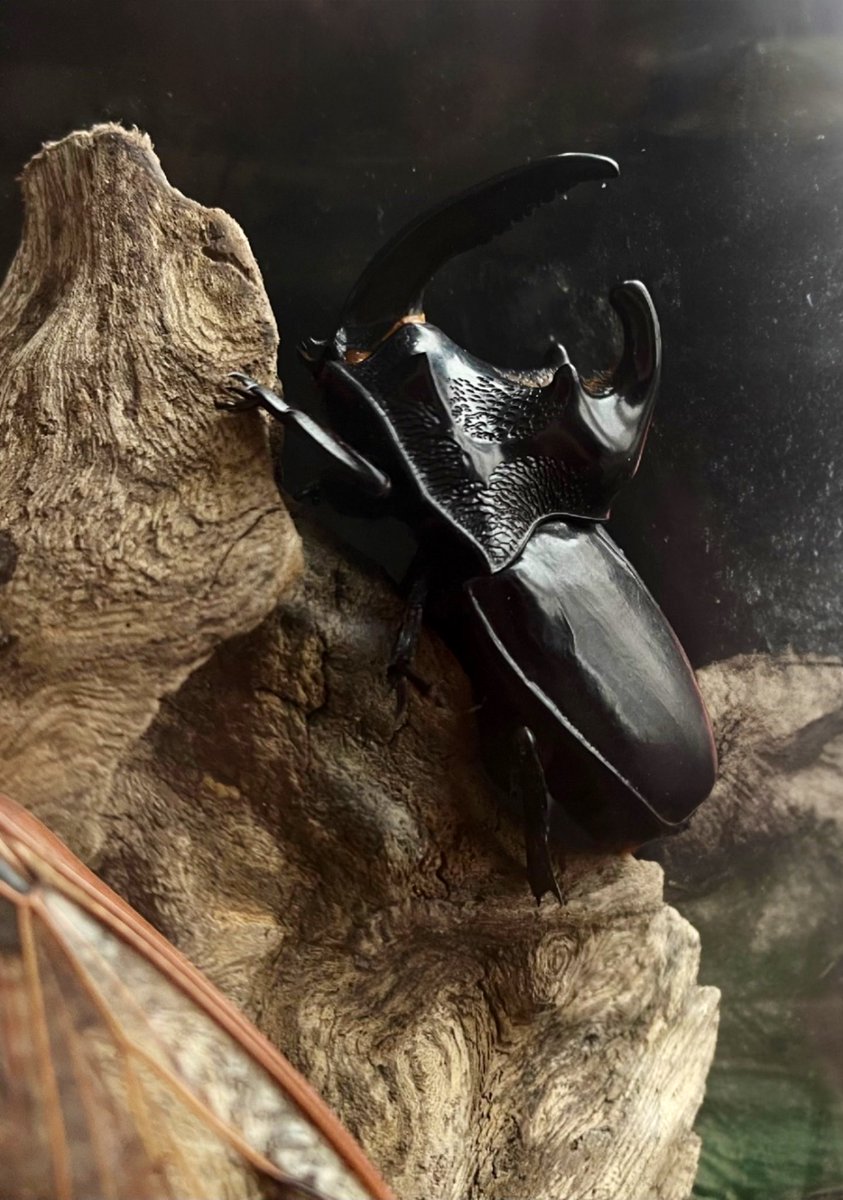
x: 530, y: 795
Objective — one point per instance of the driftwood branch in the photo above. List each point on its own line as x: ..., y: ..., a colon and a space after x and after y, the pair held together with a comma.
x: 348, y: 879
x: 779, y: 721
x: 138, y: 530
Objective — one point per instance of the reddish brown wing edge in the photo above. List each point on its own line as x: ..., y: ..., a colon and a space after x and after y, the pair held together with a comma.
x: 18, y: 825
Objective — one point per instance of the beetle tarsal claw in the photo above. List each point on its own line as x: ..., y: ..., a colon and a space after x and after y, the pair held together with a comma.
x: 239, y: 403
x: 243, y: 379
x: 243, y: 392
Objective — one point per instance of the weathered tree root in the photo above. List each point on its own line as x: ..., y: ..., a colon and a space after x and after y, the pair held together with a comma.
x: 349, y: 881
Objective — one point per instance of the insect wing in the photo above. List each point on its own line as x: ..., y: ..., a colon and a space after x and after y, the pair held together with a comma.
x: 124, y: 1075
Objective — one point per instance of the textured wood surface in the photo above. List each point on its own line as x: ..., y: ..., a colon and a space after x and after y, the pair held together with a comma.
x: 779, y: 722
x: 137, y: 528
x: 347, y: 878
x: 479, y: 1046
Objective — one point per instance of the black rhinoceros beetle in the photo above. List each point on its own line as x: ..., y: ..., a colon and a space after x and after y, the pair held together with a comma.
x: 505, y: 477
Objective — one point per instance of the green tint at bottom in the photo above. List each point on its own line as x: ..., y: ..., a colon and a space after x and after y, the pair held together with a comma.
x: 772, y: 941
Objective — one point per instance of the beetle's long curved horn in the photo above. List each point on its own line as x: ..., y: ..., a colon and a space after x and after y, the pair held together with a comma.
x: 392, y: 285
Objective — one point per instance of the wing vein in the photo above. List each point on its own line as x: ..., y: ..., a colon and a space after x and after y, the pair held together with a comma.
x: 52, y: 1100
x: 82, y: 1071
x: 164, y: 1074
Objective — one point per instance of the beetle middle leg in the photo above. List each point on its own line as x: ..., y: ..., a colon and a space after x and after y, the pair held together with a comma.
x: 530, y: 794
x: 400, y: 668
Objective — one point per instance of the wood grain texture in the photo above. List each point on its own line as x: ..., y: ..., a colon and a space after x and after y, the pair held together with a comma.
x: 353, y: 884
x: 349, y: 880
x: 779, y: 725
x: 137, y: 529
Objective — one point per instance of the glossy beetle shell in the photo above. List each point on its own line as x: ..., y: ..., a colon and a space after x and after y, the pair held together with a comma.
x: 569, y: 638
x: 488, y: 454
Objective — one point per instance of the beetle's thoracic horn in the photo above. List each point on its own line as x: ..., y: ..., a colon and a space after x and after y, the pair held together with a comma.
x: 618, y: 418
x: 636, y: 377
x: 392, y: 285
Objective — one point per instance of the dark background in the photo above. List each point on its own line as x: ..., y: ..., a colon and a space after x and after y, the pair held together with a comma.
x: 322, y: 125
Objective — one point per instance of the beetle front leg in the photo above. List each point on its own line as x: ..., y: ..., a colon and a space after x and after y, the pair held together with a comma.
x: 529, y: 792
x: 345, y: 462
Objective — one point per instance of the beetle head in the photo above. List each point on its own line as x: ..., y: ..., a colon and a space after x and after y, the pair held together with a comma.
x: 390, y: 291
x: 492, y: 452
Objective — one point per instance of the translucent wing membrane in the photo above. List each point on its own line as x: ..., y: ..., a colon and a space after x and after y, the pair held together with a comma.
x: 124, y: 1075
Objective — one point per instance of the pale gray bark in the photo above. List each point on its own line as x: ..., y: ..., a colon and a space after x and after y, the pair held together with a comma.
x: 779, y: 722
